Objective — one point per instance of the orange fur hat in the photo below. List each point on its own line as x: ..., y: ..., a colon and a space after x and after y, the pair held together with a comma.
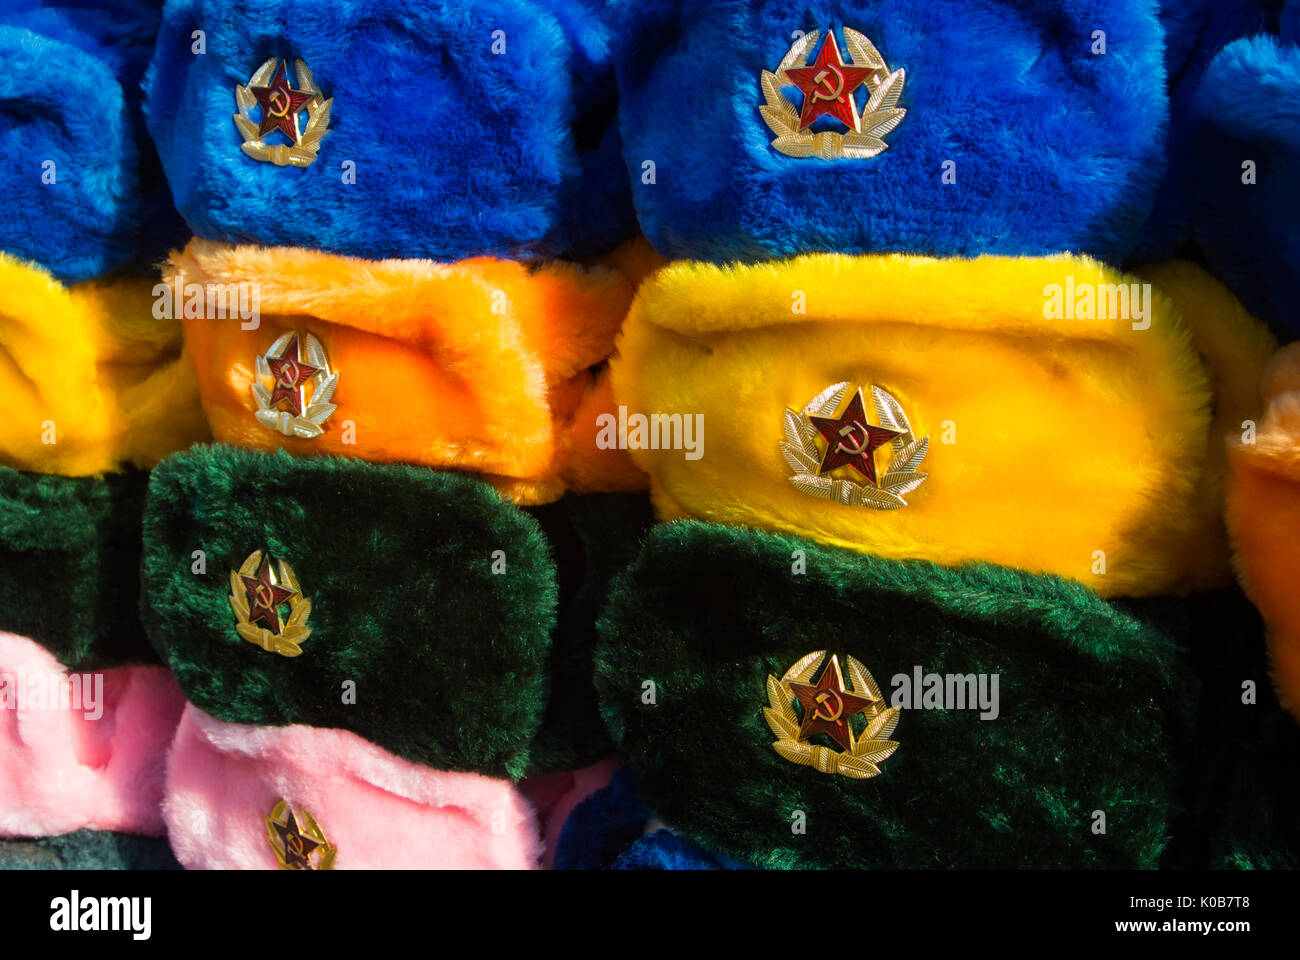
x: 488, y: 366
x: 1263, y: 506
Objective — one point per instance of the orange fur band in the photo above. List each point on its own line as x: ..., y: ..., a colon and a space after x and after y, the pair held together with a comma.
x: 484, y: 365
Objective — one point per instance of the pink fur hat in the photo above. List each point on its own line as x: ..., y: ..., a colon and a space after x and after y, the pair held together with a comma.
x: 244, y: 797
x: 81, y: 750
x: 556, y: 794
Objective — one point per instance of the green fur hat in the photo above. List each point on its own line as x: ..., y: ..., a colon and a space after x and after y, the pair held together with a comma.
x: 708, y: 674
x: 412, y: 607
x: 69, y: 565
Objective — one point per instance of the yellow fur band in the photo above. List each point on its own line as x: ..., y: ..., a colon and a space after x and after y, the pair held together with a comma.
x: 1069, y: 419
x: 484, y: 365
x: 1264, y: 517
x: 91, y: 379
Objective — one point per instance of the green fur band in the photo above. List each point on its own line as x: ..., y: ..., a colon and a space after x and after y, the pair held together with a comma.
x: 88, y: 850
x: 69, y: 565
x: 1090, y: 701
x: 432, y: 602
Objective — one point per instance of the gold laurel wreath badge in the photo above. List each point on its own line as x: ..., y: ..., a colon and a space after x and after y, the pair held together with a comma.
x: 324, y: 382
x: 869, y: 750
x: 801, y: 453
x: 880, y: 115
x: 305, y: 150
x: 288, y: 642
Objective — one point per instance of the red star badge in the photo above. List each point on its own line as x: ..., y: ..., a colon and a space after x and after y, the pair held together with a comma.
x: 828, y: 706
x: 827, y: 87
x: 297, y: 847
x: 851, y: 440
x: 265, y: 597
x: 291, y: 375
x: 280, y: 106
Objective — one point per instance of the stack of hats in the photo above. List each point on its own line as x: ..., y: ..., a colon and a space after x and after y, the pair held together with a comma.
x: 905, y: 607
x: 359, y: 587
x: 96, y: 392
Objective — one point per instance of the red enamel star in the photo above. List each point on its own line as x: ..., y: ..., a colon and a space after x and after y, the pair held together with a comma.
x: 828, y: 706
x: 298, y: 847
x: 851, y: 440
x: 827, y: 87
x: 265, y: 597
x: 291, y: 375
x: 280, y: 106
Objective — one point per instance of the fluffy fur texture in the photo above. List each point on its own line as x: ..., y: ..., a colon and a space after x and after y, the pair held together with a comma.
x: 709, y: 612
x: 592, y: 538
x: 448, y: 658
x: 1249, y: 104
x: 88, y: 850
x: 1071, y: 435
x: 482, y: 366
x: 458, y: 151
x: 1195, y: 30
x: 1055, y: 148
x: 555, y: 795
x: 378, y: 811
x: 1263, y: 508
x: 74, y: 544
x: 64, y: 770
x: 93, y: 359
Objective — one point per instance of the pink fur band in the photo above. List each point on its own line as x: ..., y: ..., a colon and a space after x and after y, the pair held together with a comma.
x: 374, y: 810
x: 81, y: 750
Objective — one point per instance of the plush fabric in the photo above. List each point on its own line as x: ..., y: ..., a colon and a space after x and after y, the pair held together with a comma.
x: 665, y: 850
x: 555, y: 795
x: 1249, y: 105
x: 447, y: 658
x: 602, y: 825
x: 483, y: 366
x: 88, y: 850
x: 83, y: 755
x: 451, y: 158
x: 1195, y: 30
x: 592, y: 538
x: 1051, y: 438
x: 91, y: 377
x: 1263, y: 509
x: 379, y: 812
x: 1093, y: 705
x: 1054, y: 147
x: 74, y: 541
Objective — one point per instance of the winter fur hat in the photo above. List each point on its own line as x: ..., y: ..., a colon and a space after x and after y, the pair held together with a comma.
x: 942, y: 768
x: 759, y: 128
x: 92, y: 378
x: 298, y: 797
x: 78, y: 165
x: 1066, y: 434
x: 1263, y: 506
x: 486, y: 365
x: 88, y: 850
x: 1195, y: 30
x: 402, y: 604
x: 81, y: 750
x: 1248, y: 203
x: 398, y: 128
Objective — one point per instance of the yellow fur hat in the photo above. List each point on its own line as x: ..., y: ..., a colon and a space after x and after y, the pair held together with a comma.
x: 1263, y: 495
x: 92, y: 380
x: 484, y: 365
x: 1046, y: 413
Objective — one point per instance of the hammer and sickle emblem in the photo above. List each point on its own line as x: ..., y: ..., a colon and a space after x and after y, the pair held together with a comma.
x: 823, y: 80
x: 827, y: 697
x: 295, y: 846
x: 847, y: 431
x: 289, y: 374
x: 264, y: 595
x: 279, y: 103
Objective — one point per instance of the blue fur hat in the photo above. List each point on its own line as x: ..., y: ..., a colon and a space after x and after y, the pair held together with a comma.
x: 1195, y: 30
x: 1020, y: 135
x: 76, y: 165
x: 1247, y: 220
x: 453, y: 130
